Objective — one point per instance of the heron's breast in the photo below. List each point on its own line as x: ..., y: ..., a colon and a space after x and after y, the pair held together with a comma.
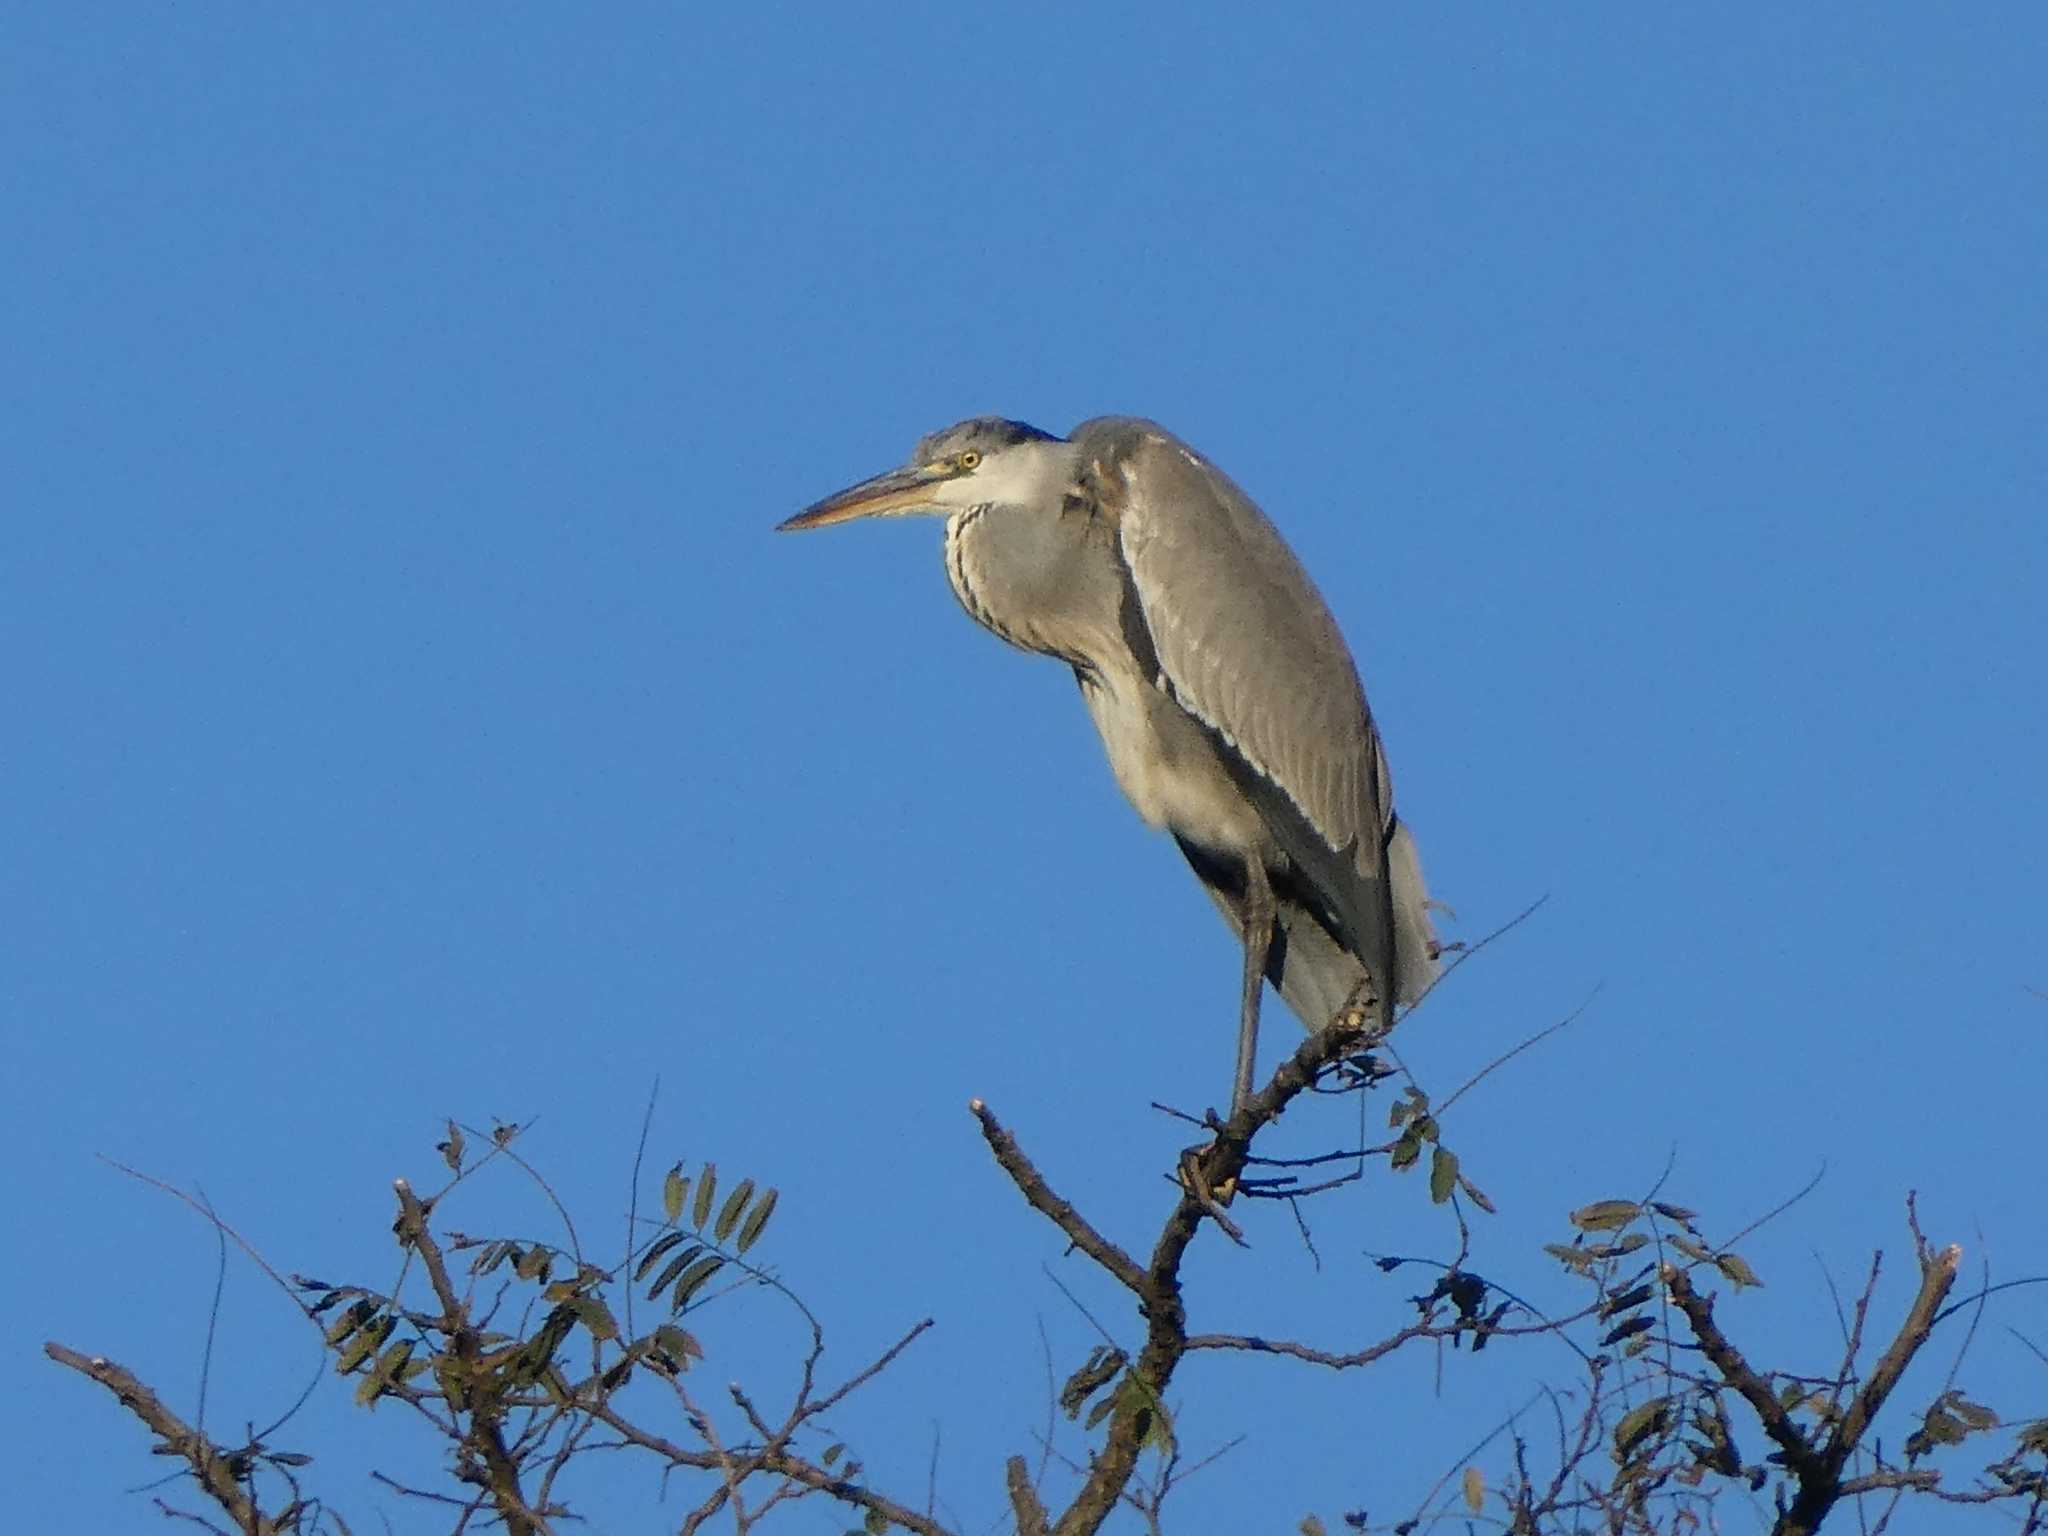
x: 1168, y: 770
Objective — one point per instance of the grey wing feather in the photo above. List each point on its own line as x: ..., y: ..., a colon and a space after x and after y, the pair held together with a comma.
x: 1243, y: 637
x: 1247, y: 646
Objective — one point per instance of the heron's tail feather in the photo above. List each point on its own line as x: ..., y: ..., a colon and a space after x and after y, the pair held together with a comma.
x: 1314, y: 974
x: 1415, y: 943
x: 1313, y: 970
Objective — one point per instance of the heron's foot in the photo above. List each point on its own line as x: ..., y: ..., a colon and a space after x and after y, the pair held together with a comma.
x: 1360, y: 1006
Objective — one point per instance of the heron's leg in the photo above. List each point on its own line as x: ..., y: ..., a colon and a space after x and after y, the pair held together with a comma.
x: 1259, y: 912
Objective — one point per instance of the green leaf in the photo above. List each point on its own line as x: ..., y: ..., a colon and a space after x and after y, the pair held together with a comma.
x: 1475, y: 1489
x: 1976, y: 1415
x: 1605, y: 1215
x: 357, y: 1315
x: 1628, y: 1244
x: 693, y: 1279
x: 451, y: 1149
x: 1467, y: 1292
x: 1476, y: 1195
x: 750, y: 1229
x: 1691, y: 1250
x: 360, y: 1349
x: 377, y: 1382
x: 1407, y: 1151
x: 674, y: 1190
x: 1677, y: 1213
x: 1634, y: 1297
x: 392, y: 1361
x: 1638, y: 1424
x: 1628, y: 1330
x: 1489, y: 1325
x: 729, y: 1213
x: 1443, y: 1174
x: 1940, y: 1427
x: 1104, y: 1364
x: 676, y: 1266
x: 537, y: 1355
x: 365, y: 1344
x: 595, y: 1316
x: 831, y: 1453
x: 1159, y: 1433
x: 654, y: 1252
x: 1736, y: 1269
x: 707, y: 1191
x: 1572, y: 1258
x: 678, y: 1345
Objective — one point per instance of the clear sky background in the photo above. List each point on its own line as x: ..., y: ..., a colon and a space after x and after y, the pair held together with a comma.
x: 410, y: 713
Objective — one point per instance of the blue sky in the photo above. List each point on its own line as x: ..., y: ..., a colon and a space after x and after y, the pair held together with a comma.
x: 413, y: 715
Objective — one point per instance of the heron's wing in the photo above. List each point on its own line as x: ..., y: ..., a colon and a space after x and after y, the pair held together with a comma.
x: 1247, y: 646
x: 1244, y: 640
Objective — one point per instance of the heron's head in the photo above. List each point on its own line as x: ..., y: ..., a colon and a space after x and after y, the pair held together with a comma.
x: 984, y: 461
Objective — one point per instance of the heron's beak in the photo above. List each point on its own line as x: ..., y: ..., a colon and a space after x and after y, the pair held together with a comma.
x: 899, y: 490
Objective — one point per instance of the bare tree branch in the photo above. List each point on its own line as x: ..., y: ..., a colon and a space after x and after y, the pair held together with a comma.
x: 1042, y: 1198
x: 215, y: 1471
x: 1817, y: 1463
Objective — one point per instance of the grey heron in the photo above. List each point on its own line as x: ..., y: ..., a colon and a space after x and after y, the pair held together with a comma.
x: 1222, y: 689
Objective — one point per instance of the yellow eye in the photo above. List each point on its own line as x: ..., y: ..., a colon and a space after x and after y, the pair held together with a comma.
x: 970, y: 459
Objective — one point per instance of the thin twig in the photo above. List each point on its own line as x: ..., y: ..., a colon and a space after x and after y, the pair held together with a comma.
x: 1042, y: 1198
x: 633, y: 1199
x: 1512, y: 1052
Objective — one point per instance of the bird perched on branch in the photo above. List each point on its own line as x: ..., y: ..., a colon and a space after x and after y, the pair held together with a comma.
x: 1223, y: 691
